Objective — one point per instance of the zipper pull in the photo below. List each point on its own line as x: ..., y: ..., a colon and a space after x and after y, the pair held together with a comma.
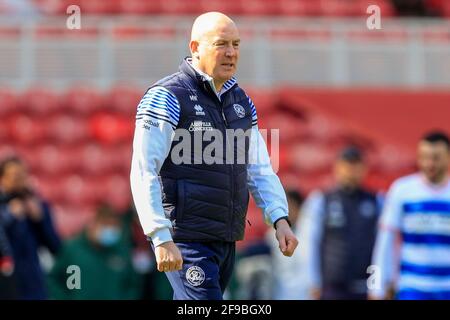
x: 224, y: 119
x: 249, y: 223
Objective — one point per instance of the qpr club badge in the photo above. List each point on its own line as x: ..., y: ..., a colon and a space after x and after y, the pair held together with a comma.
x: 195, y: 276
x: 240, y: 111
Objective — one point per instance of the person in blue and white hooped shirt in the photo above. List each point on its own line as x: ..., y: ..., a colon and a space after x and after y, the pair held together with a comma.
x: 195, y: 212
x: 412, y: 252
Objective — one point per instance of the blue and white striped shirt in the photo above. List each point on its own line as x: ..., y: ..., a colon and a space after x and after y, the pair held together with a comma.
x: 419, y: 215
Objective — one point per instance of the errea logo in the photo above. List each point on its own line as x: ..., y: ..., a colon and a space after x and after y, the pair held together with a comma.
x: 199, y: 110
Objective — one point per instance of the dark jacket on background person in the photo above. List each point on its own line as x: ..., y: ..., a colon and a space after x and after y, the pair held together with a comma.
x: 26, y: 237
x: 348, y: 236
x: 8, y: 287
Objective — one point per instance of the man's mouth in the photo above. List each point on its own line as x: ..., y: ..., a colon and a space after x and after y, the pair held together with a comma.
x: 230, y: 65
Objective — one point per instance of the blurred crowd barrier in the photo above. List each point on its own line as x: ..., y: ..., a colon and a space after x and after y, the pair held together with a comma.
x: 275, y: 52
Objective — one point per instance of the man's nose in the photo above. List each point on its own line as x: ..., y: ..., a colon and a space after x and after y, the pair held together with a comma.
x: 230, y: 52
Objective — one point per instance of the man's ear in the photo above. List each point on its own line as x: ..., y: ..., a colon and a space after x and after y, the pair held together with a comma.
x: 193, y: 46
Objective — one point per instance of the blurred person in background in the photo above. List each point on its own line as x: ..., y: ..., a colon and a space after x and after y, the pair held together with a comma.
x: 8, y: 287
x: 104, y: 256
x: 28, y: 225
x: 413, y: 244
x: 289, y: 275
x: 155, y: 285
x: 341, y: 223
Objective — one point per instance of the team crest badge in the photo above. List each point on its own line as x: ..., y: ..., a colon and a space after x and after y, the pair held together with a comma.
x: 195, y: 276
x: 240, y: 111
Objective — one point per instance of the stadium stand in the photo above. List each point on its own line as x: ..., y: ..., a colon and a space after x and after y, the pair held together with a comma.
x: 80, y: 155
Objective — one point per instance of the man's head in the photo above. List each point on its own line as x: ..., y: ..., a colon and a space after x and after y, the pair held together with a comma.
x: 433, y: 156
x: 105, y: 229
x: 350, y: 168
x: 214, y: 46
x: 13, y: 175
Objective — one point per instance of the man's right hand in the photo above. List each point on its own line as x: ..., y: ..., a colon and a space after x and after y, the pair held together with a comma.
x: 168, y: 257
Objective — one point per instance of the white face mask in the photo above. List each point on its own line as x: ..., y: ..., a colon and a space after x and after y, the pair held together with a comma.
x: 108, y: 236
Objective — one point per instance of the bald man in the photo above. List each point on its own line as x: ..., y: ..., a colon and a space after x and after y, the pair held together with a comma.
x: 194, y: 211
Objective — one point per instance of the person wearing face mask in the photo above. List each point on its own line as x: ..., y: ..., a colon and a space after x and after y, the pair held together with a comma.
x: 341, y: 225
x: 412, y: 251
x: 103, y: 255
x: 26, y: 220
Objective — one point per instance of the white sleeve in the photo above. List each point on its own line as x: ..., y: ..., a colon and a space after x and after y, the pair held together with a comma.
x: 384, y: 258
x: 156, y: 119
x: 313, y: 209
x: 263, y: 183
x: 391, y: 216
x: 385, y: 254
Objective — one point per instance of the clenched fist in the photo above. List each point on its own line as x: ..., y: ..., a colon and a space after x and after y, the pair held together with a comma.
x: 168, y: 257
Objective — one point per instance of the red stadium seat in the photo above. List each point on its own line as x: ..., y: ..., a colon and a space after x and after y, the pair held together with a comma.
x: 71, y: 219
x: 446, y: 9
x: 83, y: 100
x: 324, y: 129
x: 8, y: 102
x: 4, y: 134
x: 52, y: 6
x: 265, y: 101
x: 49, y: 188
x: 180, y: 7
x: 67, y: 129
x: 39, y: 101
x: 260, y: 7
x: 115, y: 190
x: 7, y: 150
x: 290, y: 128
x: 227, y: 7
x: 24, y: 129
x: 93, y: 159
x: 124, y: 99
x: 78, y: 190
x: 52, y: 161
x: 299, y: 7
x: 339, y: 8
x: 108, y: 128
x: 310, y: 157
x: 120, y: 157
x: 386, y: 7
x: 139, y: 6
x: 98, y: 6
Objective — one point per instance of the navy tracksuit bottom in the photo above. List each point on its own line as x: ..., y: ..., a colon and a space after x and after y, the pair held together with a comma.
x: 207, y: 269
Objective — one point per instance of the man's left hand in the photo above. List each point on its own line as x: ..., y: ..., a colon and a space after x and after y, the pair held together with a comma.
x: 286, y: 239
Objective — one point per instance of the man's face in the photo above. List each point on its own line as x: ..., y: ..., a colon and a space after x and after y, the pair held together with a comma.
x: 218, y: 52
x: 433, y: 160
x: 14, y: 178
x: 349, y: 174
